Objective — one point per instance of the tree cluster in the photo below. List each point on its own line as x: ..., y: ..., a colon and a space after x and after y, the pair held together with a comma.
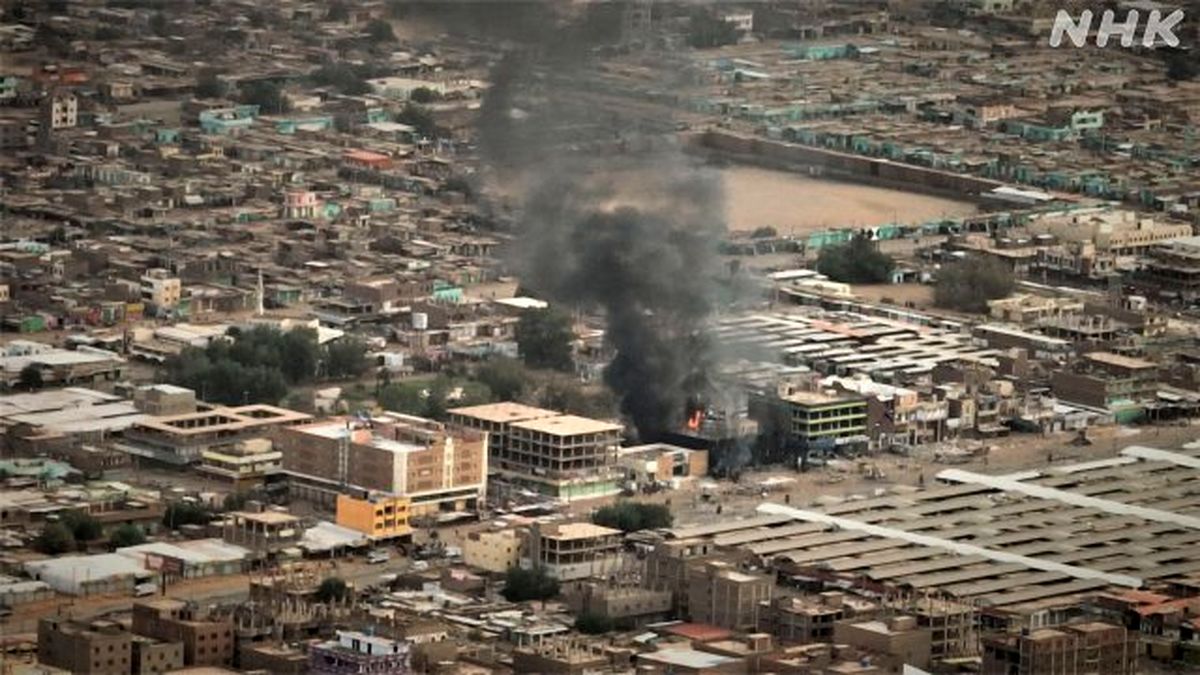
x: 348, y: 78
x: 522, y: 584
x: 332, y: 589
x: 179, y: 514
x: 126, y: 535
x: 262, y: 363
x: 432, y: 399
x: 633, y: 516
x: 591, y: 623
x: 268, y: 96
x: 72, y: 531
x: 706, y: 31
x: 544, y: 339
x: 420, y: 119
x: 967, y: 285
x: 858, y: 261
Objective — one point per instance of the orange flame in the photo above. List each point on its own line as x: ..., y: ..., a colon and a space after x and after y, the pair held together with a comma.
x: 695, y: 419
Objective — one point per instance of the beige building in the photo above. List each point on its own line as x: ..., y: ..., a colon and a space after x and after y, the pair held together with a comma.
x: 573, y: 551
x: 562, y: 456
x: 899, y: 640
x: 96, y: 648
x: 436, y: 467
x: 161, y: 289
x: 720, y: 595
x: 1120, y: 232
x: 1080, y: 648
x: 493, y: 552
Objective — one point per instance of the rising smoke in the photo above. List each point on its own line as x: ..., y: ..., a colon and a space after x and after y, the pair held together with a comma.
x: 632, y: 234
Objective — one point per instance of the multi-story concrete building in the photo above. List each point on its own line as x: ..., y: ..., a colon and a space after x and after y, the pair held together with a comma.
x: 354, y: 652
x: 150, y: 656
x: 265, y: 533
x: 60, y: 110
x: 246, y: 465
x: 1121, y: 385
x: 207, y: 641
x: 804, y: 421
x: 898, y: 641
x: 96, y: 648
x: 1081, y: 648
x: 493, y: 552
x: 565, y: 456
x: 379, y: 516
x: 803, y: 620
x: 1174, y: 267
x: 183, y: 439
x: 573, y: 551
x: 720, y: 595
x: 627, y: 605
x: 435, y: 467
x: 161, y: 290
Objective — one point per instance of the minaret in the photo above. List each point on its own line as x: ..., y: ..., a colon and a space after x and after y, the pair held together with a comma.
x: 261, y: 294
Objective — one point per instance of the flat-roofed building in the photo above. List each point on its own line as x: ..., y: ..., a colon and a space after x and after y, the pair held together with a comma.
x: 435, y: 467
x: 1120, y: 384
x: 574, y: 551
x: 207, y: 640
x: 1174, y: 267
x: 379, y: 516
x: 265, y: 533
x: 899, y: 640
x: 564, y: 456
x: 721, y: 595
x: 493, y: 552
x: 96, y: 648
x: 810, y: 421
x: 1093, y: 647
x: 183, y: 439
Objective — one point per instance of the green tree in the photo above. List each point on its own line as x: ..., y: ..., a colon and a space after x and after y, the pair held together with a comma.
x: 544, y: 339
x: 338, y: 12
x: 590, y: 623
x: 55, y: 539
x: 419, y: 118
x: 403, y: 397
x: 346, y: 358
x: 504, y: 377
x: 968, y: 284
x: 267, y: 95
x: 31, y: 377
x: 764, y: 233
x: 423, y: 95
x: 522, y: 584
x: 84, y: 527
x: 707, y: 30
x: 126, y: 535
x: 348, y: 78
x: 379, y: 30
x: 158, y: 23
x: 209, y: 85
x: 332, y: 589
x: 179, y: 514
x: 858, y: 261
x: 300, y: 354
x: 633, y: 516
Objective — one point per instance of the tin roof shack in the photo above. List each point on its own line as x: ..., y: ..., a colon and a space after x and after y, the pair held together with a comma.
x: 207, y: 640
x: 1111, y: 382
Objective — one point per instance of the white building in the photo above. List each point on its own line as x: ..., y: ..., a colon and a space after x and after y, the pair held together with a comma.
x: 61, y: 110
x: 160, y: 289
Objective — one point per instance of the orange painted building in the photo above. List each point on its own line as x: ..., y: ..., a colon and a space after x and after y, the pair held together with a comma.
x: 380, y: 516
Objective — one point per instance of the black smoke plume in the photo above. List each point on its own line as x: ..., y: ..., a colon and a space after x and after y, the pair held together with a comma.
x: 631, y: 233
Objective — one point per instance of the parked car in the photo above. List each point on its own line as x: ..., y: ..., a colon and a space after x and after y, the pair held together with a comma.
x: 377, y: 557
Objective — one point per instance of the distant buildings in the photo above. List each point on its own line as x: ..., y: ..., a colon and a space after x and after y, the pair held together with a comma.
x: 98, y: 648
x: 1076, y: 648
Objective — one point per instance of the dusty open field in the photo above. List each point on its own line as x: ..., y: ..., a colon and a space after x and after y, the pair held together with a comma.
x: 793, y: 203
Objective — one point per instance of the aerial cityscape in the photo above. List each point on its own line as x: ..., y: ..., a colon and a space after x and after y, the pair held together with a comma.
x: 654, y: 337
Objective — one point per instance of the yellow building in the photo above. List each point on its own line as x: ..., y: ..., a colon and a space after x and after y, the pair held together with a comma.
x: 493, y: 552
x: 379, y: 516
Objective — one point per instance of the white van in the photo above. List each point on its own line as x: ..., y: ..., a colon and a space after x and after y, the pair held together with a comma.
x: 377, y: 557
x: 142, y: 590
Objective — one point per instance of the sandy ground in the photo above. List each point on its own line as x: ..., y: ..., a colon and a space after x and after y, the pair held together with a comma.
x: 793, y: 203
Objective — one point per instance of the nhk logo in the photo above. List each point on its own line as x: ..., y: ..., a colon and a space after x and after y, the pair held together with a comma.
x: 1157, y: 31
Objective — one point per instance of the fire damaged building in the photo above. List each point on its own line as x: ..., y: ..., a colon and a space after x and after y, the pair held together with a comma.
x: 807, y: 423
